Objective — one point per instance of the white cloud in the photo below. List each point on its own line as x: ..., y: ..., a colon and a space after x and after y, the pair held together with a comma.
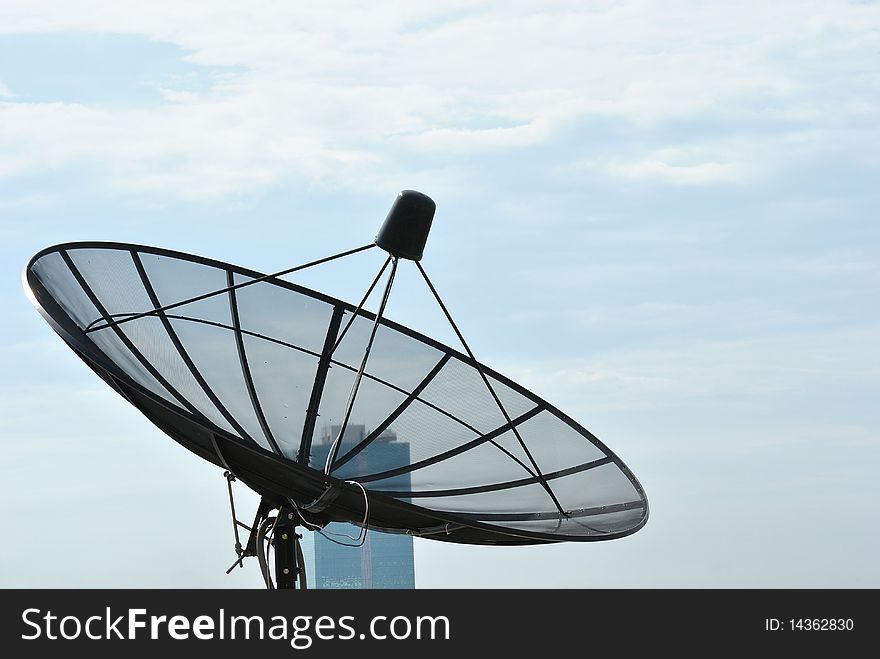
x: 717, y: 160
x: 336, y: 93
x: 705, y: 172
x: 780, y: 364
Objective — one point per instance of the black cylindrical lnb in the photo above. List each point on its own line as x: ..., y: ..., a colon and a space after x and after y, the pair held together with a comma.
x: 405, y: 231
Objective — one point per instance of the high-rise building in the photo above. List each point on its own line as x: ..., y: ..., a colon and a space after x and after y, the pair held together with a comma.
x: 385, y: 560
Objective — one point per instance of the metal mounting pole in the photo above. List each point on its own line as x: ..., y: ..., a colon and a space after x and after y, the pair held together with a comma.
x: 289, y: 569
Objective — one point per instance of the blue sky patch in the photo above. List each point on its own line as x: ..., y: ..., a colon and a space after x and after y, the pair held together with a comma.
x: 96, y: 69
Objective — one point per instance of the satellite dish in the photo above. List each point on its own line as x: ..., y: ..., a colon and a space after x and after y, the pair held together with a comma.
x: 326, y: 410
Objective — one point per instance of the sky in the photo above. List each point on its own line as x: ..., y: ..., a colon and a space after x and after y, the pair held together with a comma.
x: 659, y: 216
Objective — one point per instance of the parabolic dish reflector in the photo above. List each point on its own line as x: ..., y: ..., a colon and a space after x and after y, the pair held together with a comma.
x: 251, y: 379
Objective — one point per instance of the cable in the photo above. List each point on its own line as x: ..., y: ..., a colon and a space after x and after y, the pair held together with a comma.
x: 362, y: 536
x: 262, y: 554
x: 359, y: 307
x: 301, y: 561
x: 334, y: 448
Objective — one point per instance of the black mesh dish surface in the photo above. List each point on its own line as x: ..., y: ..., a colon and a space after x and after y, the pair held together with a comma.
x: 251, y: 379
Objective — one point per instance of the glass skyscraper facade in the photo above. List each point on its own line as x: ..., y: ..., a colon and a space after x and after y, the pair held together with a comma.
x: 385, y: 560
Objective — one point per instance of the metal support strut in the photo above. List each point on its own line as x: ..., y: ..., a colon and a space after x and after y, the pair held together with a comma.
x: 352, y: 396
x: 230, y: 477
x: 278, y: 532
x: 537, y: 470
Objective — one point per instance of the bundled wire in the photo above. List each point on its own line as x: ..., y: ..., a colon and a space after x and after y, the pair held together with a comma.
x: 362, y: 536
